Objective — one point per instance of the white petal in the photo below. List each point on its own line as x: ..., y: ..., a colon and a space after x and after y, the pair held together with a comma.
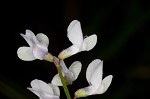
x: 75, y: 68
x: 55, y: 89
x: 89, y: 43
x: 91, y: 68
x: 90, y: 89
x: 105, y: 84
x: 68, y: 52
x: 75, y: 33
x: 31, y: 36
x: 84, y: 92
x: 56, y: 80
x: 42, y: 38
x: 25, y: 53
x: 72, y: 50
x: 67, y: 73
x: 40, y: 51
x: 94, y: 72
x: 41, y: 86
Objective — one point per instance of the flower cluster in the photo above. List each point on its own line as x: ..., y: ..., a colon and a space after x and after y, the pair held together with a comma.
x: 38, y: 49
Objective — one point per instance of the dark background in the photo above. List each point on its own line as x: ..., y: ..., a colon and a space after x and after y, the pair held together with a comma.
x: 122, y: 27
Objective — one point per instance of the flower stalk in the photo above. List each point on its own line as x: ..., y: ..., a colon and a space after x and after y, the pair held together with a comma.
x: 63, y: 83
x: 57, y: 64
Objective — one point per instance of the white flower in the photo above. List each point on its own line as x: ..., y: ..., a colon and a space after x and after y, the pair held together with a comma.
x: 74, y: 33
x: 38, y: 47
x: 70, y: 74
x: 94, y: 78
x: 44, y: 90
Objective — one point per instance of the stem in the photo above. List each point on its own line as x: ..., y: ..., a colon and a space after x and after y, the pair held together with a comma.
x: 63, y: 83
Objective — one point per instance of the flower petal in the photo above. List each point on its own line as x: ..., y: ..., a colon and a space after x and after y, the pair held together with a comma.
x: 40, y: 86
x: 75, y: 68
x: 40, y: 51
x: 84, y: 92
x: 94, y: 72
x: 25, y: 53
x: 105, y: 84
x: 42, y: 38
x: 31, y: 36
x: 55, y: 89
x: 56, y: 80
x: 89, y: 43
x: 75, y: 33
x: 44, y: 90
x: 68, y: 52
x: 68, y: 75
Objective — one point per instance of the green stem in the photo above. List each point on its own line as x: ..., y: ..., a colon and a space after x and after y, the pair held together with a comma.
x: 63, y: 83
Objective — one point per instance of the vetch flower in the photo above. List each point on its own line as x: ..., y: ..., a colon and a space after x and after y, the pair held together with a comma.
x: 74, y: 33
x: 44, y: 90
x: 38, y: 47
x: 94, y: 78
x: 70, y: 74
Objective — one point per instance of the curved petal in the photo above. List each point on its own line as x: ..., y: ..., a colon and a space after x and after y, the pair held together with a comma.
x: 31, y: 36
x: 55, y: 89
x: 43, y: 39
x: 68, y: 75
x: 91, y: 68
x: 75, y: 68
x: 40, y: 86
x: 84, y: 92
x: 104, y: 85
x: 40, y: 51
x: 25, y: 53
x: 89, y: 43
x: 75, y: 33
x: 96, y: 77
x: 94, y: 72
x: 56, y: 80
